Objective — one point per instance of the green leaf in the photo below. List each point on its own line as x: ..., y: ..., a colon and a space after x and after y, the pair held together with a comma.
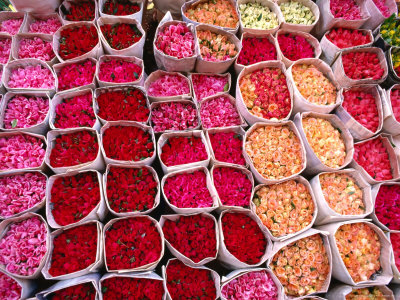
x: 14, y: 123
x: 293, y: 205
x: 136, y: 75
x: 140, y: 173
x: 112, y: 76
x: 259, y: 17
x: 104, y: 289
x: 226, y: 87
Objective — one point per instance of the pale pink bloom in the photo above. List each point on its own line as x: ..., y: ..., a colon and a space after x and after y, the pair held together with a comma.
x: 169, y: 85
x: 48, y: 26
x: 11, y: 26
x: 9, y: 288
x: 174, y: 116
x: 36, y: 48
x: 176, y: 40
x: 5, y: 49
x: 219, y: 112
x: 209, y: 85
x: 37, y: 77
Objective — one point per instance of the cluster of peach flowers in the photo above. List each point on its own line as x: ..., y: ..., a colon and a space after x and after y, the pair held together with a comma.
x: 215, y: 47
x: 214, y: 12
x: 284, y: 208
x: 342, y: 193
x: 275, y: 151
x: 367, y: 293
x: 325, y: 140
x: 313, y: 85
x: 302, y: 266
x: 360, y: 250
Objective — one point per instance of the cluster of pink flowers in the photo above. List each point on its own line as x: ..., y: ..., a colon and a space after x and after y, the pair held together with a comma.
x: 362, y: 65
x: 387, y: 206
x: 119, y: 71
x: 380, y: 4
x: 9, y: 288
x: 23, y: 246
x: 36, y: 77
x: 395, y: 101
x: 76, y: 74
x: 25, y: 111
x: 219, y: 112
x: 5, y: 49
x: 227, y: 147
x: 209, y: 85
x: 395, y: 239
x: 169, y: 85
x: 255, y: 50
x: 347, y: 38
x: 11, y: 26
x: 176, y: 40
x: 174, y: 116
x: 21, y: 192
x: 346, y: 9
x: 295, y: 47
x: 48, y: 26
x: 36, y: 48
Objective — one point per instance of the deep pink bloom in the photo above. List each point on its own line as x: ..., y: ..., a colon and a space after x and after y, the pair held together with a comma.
x: 5, y: 49
x: 169, y: 85
x: 255, y: 50
x: 347, y: 38
x: 295, y: 47
x: 9, y: 288
x: 76, y: 74
x: 11, y: 26
x: 219, y: 112
x: 48, y: 26
x: 119, y: 71
x: 34, y: 77
x: 395, y: 102
x: 209, y: 85
x: 181, y: 150
x: 395, y: 239
x: 36, y: 48
x: 174, y: 116
x: 176, y: 40
x: 362, y: 65
x: 384, y: 9
x: 228, y: 147
x: 387, y: 206
x: 346, y: 9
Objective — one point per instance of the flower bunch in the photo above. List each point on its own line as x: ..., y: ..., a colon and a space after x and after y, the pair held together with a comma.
x: 47, y: 26
x: 169, y: 85
x: 387, y: 206
x: 284, y: 208
x: 174, y: 116
x: 395, y: 102
x: 127, y: 287
x: 362, y: 65
x: 129, y: 143
x: 342, y: 193
x: 265, y: 93
x: 129, y: 105
x: 71, y: 149
x: 219, y: 112
x: 9, y: 288
x: 74, y: 249
x: 256, y: 49
x: 255, y: 15
x: 119, y: 71
x: 21, y: 151
x: 313, y: 85
x: 83, y: 190
x: 302, y: 266
x: 396, y: 61
x: 131, y: 189
x: 297, y: 13
x: 121, y: 35
x: 347, y: 38
x: 389, y: 31
x: 275, y: 151
x: 120, y: 7
x: 373, y: 157
x: 194, y: 236
x: 11, y: 26
x: 182, y: 150
x: 36, y: 48
x: 77, y: 41
x: 184, y: 282
x: 372, y: 292
x: 5, y: 49
x: 131, y: 243
x: 360, y: 250
x: 345, y: 9
x: 176, y: 40
x: 215, y: 46
x: 75, y: 112
x: 76, y: 74
x: 23, y: 246
x: 25, y: 111
x: 214, y: 12
x: 80, y: 291
x: 383, y: 8
x: 21, y: 192
x: 80, y: 10
x: 325, y: 141
x: 188, y: 190
x: 209, y: 85
x: 294, y: 46
x: 31, y: 77
x: 256, y: 285
x: 395, y: 240
x: 228, y: 147
x: 233, y: 186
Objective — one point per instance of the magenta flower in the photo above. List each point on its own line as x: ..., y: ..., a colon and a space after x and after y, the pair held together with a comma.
x: 295, y: 47
x: 395, y: 102
x: 5, y: 49
x: 346, y: 9
x: 169, y: 85
x: 9, y: 288
x: 176, y: 40
x: 227, y: 147
x: 219, y: 112
x: 383, y: 8
x: 174, y: 116
x: 36, y: 48
x: 209, y: 85
x: 255, y: 50
x: 76, y: 74
x: 49, y: 26
x: 387, y: 206
x: 395, y: 240
x: 11, y: 26
x: 34, y: 77
x: 119, y: 71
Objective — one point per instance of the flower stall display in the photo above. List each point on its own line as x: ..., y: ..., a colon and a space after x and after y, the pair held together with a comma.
x: 379, y: 11
x: 352, y: 11
x: 42, y: 23
x: 388, y: 31
x: 299, y: 15
x: 205, y: 85
x: 5, y: 48
x: 122, y: 9
x: 131, y: 190
x: 11, y: 22
x: 119, y: 70
x: 76, y: 11
x: 391, y: 109
x: 133, y: 244
x: 39, y: 46
x: 10, y: 288
x: 346, y: 292
x: 387, y: 206
x: 76, y: 75
x: 259, y: 16
x: 161, y: 85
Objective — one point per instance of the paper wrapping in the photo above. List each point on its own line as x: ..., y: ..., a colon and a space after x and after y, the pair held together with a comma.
x: 390, y: 123
x: 31, y: 17
x: 228, y: 75
x: 8, y: 15
x: 301, y: 27
x: 136, y: 16
x: 42, y: 7
x: 66, y: 4
x: 376, y: 16
x: 339, y: 292
x: 4, y: 35
x: 392, y: 78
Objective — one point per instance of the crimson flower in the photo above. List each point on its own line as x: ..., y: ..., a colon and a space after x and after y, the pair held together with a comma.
x: 182, y: 150
x: 80, y: 291
x: 120, y: 7
x: 76, y: 41
x: 228, y: 147
x: 121, y: 35
x: 80, y: 11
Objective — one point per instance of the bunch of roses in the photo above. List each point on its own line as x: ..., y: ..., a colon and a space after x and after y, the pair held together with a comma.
x: 395, y: 240
x: 176, y: 40
x: 182, y: 150
x: 21, y: 151
x: 256, y: 49
x: 132, y: 243
x: 284, y: 208
x: 184, y: 282
x: 129, y: 105
x: 214, y: 12
x: 302, y: 267
x: 9, y: 288
x: 74, y: 249
x: 194, y: 236
x: 47, y: 26
x: 80, y: 291
x: 362, y: 65
x: 395, y: 102
x: 188, y: 190
x: 121, y: 35
x: 373, y: 157
x: 77, y: 41
x: 228, y: 147
x: 342, y: 193
x: 360, y: 250
x: 372, y: 292
x: 297, y: 13
x: 265, y: 93
x: 313, y: 85
x: 25, y: 111
x: 215, y: 46
x: 169, y: 85
x: 209, y: 85
x: 275, y: 151
x: 347, y: 38
x: 257, y: 16
x: 345, y: 9
x: 219, y: 112
x: 128, y: 143
x: 11, y: 26
x: 325, y: 141
x: 83, y: 190
x: 174, y: 116
x: 131, y: 189
x: 295, y: 47
x: 31, y: 77
x: 132, y: 288
x: 119, y: 71
x: 5, y: 49
x: 233, y: 186
x: 252, y: 285
x: 362, y: 107
x: 36, y: 48
x: 120, y: 7
x: 387, y: 206
x: 76, y: 74
x: 75, y: 148
x: 75, y: 112
x: 23, y: 246
x: 80, y: 10
x: 383, y: 8
x: 21, y: 192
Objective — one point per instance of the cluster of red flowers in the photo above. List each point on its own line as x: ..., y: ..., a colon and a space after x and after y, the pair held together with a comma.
x: 121, y: 35
x: 347, y: 38
x: 228, y: 147
x: 80, y: 11
x: 362, y: 65
x: 120, y: 7
x: 76, y: 41
x: 255, y: 50
x: 183, y: 150
x: 81, y: 291
x: 116, y: 288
